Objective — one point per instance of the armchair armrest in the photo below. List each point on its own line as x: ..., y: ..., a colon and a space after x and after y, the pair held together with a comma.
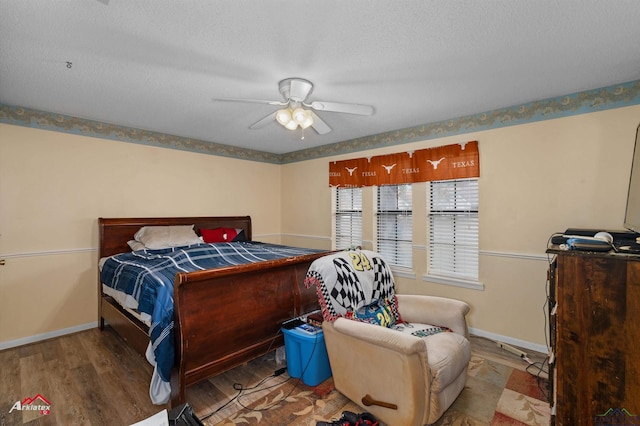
x: 434, y: 310
x: 378, y: 336
x: 388, y: 365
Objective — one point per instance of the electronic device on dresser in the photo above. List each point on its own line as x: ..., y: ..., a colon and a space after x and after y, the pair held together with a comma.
x: 621, y: 241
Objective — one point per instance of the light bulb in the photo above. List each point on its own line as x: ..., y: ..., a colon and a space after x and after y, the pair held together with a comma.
x: 308, y: 120
x: 299, y: 115
x: 283, y: 116
x: 291, y: 125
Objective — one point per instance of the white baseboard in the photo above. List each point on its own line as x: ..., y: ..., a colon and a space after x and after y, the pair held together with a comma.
x: 509, y: 340
x: 44, y: 336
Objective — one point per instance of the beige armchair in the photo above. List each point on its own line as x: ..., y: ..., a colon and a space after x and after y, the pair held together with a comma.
x: 400, y: 378
x: 420, y: 376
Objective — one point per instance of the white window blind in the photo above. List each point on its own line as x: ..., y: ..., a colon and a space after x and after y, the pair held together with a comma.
x: 453, y: 229
x: 348, y: 218
x: 394, y: 224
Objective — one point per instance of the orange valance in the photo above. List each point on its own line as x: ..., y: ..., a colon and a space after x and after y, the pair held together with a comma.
x: 457, y: 161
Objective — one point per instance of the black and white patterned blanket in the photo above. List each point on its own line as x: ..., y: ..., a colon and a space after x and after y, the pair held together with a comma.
x: 351, y: 280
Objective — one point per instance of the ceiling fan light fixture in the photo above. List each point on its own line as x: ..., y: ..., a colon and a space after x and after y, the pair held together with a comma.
x: 283, y: 116
x: 307, y: 123
x: 308, y: 120
x: 291, y: 125
x: 291, y: 119
x: 298, y: 115
x: 302, y: 117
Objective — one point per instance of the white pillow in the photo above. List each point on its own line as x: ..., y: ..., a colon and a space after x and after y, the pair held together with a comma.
x: 136, y: 245
x: 159, y: 237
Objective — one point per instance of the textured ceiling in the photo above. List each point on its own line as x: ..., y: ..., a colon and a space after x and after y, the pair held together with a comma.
x: 156, y: 64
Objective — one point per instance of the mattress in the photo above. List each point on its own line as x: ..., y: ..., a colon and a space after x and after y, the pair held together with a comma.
x: 126, y: 302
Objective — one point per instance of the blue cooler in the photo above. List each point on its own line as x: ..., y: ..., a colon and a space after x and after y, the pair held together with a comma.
x: 306, y: 356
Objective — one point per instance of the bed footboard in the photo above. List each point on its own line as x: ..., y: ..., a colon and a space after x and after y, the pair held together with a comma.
x: 230, y: 316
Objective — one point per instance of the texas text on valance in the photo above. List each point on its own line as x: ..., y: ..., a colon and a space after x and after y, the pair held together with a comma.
x: 456, y: 161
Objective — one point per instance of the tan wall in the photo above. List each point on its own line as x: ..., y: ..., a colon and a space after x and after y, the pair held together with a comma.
x: 54, y: 186
x: 536, y: 179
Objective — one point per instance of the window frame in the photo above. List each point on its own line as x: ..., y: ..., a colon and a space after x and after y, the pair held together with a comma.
x: 354, y: 213
x: 394, y: 250
x: 441, y: 273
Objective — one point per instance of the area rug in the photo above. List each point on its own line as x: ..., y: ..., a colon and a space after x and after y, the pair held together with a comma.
x: 495, y: 394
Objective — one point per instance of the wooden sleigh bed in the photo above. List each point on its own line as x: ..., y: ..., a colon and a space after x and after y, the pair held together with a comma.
x: 223, y: 317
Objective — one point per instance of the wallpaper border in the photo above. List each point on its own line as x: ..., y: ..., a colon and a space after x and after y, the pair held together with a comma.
x: 28, y: 117
x: 615, y: 96
x: 611, y: 97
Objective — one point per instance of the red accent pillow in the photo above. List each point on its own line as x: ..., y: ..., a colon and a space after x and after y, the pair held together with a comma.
x: 218, y: 235
x: 230, y: 233
x: 212, y: 235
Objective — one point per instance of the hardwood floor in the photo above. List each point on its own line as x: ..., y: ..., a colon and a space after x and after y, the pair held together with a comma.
x: 90, y: 377
x: 94, y: 378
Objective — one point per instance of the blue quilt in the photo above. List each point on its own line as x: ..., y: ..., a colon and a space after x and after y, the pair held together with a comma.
x: 148, y: 275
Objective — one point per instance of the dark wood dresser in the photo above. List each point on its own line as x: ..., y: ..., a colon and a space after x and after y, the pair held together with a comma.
x: 595, y: 336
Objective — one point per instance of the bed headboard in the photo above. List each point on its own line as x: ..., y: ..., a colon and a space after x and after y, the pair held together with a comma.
x: 116, y: 232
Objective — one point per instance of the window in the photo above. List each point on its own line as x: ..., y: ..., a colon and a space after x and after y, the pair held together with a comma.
x: 394, y: 227
x: 348, y: 218
x: 453, y: 229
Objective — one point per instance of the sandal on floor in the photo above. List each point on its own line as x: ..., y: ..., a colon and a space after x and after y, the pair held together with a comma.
x: 347, y: 419
x: 366, y: 419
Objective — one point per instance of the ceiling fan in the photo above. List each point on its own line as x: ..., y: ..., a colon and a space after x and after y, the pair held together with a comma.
x: 295, y: 93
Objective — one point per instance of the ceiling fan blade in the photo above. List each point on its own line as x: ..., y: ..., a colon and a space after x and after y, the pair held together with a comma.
x: 253, y: 101
x: 340, y: 107
x: 263, y: 121
x: 319, y: 125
